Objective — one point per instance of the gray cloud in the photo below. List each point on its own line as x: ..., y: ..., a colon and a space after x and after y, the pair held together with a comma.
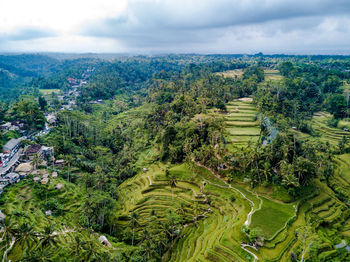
x: 203, y: 25
x: 23, y: 34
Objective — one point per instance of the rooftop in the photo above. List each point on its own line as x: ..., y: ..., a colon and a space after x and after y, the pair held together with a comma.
x: 33, y: 149
x: 10, y: 145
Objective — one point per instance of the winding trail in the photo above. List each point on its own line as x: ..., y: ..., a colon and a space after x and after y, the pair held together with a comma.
x: 13, y: 240
x: 252, y: 210
x: 243, y: 246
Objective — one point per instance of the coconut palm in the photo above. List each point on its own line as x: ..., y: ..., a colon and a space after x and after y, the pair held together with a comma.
x: 69, y: 161
x: 48, y: 236
x: 172, y: 184
x: 134, y: 222
x: 38, y: 255
x: 36, y: 160
x: 77, y: 246
x: 7, y: 236
x: 26, y: 235
x: 181, y: 210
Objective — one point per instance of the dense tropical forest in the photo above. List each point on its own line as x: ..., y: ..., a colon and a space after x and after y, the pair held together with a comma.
x: 178, y: 158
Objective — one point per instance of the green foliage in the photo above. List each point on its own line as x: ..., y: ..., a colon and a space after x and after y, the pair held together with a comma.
x: 28, y: 112
x: 163, y: 109
x: 337, y: 105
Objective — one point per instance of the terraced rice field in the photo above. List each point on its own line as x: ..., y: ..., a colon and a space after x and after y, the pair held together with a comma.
x: 241, y: 123
x: 272, y: 216
x: 217, y: 235
x: 326, y: 133
x: 272, y: 75
x: 237, y: 73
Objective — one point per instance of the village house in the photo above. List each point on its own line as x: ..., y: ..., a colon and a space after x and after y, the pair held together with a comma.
x: 33, y: 150
x: 51, y: 119
x: 12, y: 177
x: 59, y: 162
x: 5, y: 126
x: 72, y: 81
x: 24, y: 168
x: 44, y: 180
x: 59, y: 186
x: 11, y: 147
x: 47, y: 152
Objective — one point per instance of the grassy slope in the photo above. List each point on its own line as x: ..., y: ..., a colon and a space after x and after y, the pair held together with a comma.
x: 272, y: 217
x: 215, y: 238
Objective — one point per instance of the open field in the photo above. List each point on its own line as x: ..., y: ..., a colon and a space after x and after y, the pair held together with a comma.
x: 208, y: 239
x: 273, y: 75
x: 231, y: 73
x: 49, y: 91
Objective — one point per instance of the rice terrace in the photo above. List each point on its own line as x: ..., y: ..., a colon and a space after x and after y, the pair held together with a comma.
x: 175, y: 131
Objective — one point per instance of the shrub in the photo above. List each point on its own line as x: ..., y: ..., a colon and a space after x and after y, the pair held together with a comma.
x: 332, y: 122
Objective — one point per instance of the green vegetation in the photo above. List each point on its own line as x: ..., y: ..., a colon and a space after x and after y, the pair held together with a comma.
x: 272, y: 217
x: 184, y: 158
x: 241, y: 123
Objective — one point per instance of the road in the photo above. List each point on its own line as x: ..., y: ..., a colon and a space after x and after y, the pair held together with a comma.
x: 14, y: 159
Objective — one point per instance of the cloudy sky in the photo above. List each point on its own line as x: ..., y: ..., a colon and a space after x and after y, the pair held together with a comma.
x: 176, y: 26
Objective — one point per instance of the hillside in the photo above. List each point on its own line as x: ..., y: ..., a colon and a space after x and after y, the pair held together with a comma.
x: 176, y: 158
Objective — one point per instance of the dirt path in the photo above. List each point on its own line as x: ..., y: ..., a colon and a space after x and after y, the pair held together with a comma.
x: 243, y: 246
x: 252, y: 210
x: 4, y: 257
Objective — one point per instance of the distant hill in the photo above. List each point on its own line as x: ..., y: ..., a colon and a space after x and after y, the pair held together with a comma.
x: 27, y: 64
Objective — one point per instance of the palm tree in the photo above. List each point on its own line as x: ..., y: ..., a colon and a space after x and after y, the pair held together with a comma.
x: 181, y: 210
x: 172, y: 183
x: 77, y: 246
x: 26, y: 235
x: 90, y: 251
x: 69, y: 161
x: 7, y: 235
x: 196, y: 210
x: 134, y: 216
x: 38, y: 255
x: 36, y: 161
x: 266, y: 170
x: 48, y: 236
